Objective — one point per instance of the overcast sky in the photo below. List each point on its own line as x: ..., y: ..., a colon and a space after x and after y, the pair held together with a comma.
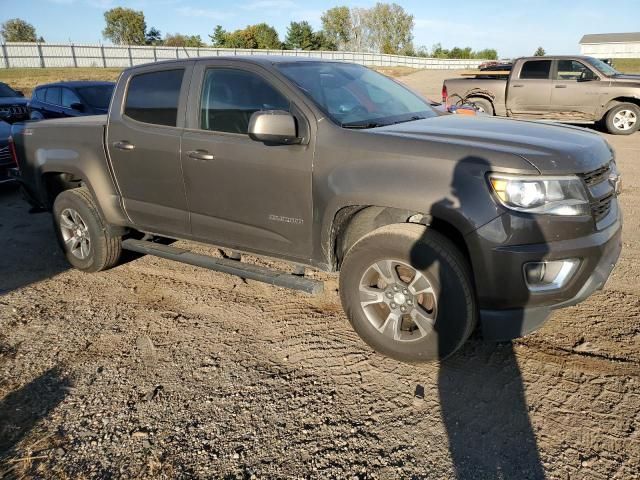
x: 513, y: 27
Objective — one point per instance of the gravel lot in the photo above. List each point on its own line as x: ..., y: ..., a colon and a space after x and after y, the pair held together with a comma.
x: 156, y: 369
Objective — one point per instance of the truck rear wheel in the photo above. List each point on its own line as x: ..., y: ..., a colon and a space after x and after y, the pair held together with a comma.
x: 82, y: 232
x: 623, y: 119
x: 482, y: 105
x: 408, y: 293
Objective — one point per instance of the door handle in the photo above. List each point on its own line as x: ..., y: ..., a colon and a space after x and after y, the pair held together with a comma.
x: 124, y: 145
x: 561, y: 86
x: 519, y: 85
x: 200, y: 155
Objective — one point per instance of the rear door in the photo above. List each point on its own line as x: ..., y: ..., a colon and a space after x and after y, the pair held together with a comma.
x: 143, y: 140
x: 529, y: 88
x: 69, y: 98
x: 576, y: 90
x: 242, y: 193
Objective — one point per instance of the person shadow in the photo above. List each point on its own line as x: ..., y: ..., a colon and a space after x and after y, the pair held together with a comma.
x: 481, y: 391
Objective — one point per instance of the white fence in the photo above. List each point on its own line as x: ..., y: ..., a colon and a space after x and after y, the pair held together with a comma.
x: 41, y: 55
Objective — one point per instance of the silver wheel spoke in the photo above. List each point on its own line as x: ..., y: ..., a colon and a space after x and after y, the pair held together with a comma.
x: 386, y: 271
x: 423, y: 320
x: 370, y: 296
x: 65, y: 222
x: 84, y: 247
x: 391, y: 326
x: 420, y: 284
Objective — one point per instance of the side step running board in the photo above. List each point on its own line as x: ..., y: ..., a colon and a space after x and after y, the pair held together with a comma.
x: 232, y: 267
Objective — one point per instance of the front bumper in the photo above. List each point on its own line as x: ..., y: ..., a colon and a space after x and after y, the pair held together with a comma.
x: 507, y: 308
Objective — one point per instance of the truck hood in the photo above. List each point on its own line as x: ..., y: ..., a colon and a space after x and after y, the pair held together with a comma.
x: 552, y: 149
x: 13, y: 101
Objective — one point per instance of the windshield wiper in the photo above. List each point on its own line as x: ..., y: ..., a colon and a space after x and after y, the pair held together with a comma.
x: 415, y: 117
x: 362, y: 125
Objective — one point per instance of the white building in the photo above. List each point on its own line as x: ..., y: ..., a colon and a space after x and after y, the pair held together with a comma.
x: 611, y: 45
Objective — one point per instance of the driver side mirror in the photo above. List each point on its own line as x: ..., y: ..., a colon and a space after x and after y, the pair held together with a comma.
x: 275, y: 127
x: 588, y: 76
x: 77, y: 106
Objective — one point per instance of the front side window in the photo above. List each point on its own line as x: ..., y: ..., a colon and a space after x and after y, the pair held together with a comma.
x: 153, y: 97
x: 230, y: 97
x: 536, y: 70
x: 69, y: 98
x: 573, y: 70
x: 39, y: 94
x: 53, y: 95
x: 7, y: 91
x: 354, y: 96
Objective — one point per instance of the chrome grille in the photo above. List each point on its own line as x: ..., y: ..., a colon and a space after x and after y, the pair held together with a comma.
x: 5, y: 156
x: 601, y: 207
x: 601, y: 196
x: 13, y: 111
x: 596, y: 176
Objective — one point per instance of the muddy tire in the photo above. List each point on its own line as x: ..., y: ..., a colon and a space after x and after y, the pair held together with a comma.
x: 623, y: 119
x: 82, y: 233
x: 408, y: 293
x: 482, y: 105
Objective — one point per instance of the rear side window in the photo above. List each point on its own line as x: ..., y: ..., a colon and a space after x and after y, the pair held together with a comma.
x: 69, y: 98
x: 53, y: 96
x: 536, y: 70
x: 230, y: 97
x: 153, y: 97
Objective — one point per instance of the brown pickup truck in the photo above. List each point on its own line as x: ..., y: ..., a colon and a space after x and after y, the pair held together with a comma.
x: 579, y: 90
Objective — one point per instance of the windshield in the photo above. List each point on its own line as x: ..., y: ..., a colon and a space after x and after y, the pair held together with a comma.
x: 603, y: 67
x: 6, y: 91
x: 97, y: 96
x: 354, y: 96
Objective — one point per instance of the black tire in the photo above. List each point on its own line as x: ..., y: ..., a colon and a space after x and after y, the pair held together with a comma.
x: 482, y: 105
x: 615, y: 127
x: 445, y: 268
x: 104, y: 248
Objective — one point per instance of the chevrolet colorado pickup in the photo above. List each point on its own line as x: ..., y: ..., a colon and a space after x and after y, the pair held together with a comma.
x: 579, y: 90
x: 435, y: 221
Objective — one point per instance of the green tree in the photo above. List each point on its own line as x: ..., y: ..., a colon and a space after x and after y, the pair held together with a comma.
x: 300, y: 36
x: 125, y: 26
x: 487, y: 54
x: 540, y: 52
x: 391, y: 29
x: 17, y: 30
x: 321, y: 41
x: 337, y: 26
x: 219, y: 37
x: 179, y: 40
x: 264, y: 36
x: 153, y: 37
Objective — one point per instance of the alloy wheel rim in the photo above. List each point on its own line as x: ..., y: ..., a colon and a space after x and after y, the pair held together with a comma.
x: 75, y: 233
x: 625, y: 119
x: 398, y: 300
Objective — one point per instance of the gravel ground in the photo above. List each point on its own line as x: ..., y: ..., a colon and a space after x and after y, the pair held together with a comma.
x: 156, y: 369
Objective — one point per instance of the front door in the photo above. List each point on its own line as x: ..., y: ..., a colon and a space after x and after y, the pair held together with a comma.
x: 144, y: 146
x: 243, y: 193
x: 529, y: 89
x: 576, y: 91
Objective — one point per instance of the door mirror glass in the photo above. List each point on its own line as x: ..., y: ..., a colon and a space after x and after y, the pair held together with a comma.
x: 273, y: 127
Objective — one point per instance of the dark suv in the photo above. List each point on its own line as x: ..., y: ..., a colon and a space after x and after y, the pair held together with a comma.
x: 13, y: 105
x: 70, y: 99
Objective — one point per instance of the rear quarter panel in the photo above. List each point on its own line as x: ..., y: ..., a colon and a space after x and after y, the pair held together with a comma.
x: 74, y: 146
x: 460, y: 89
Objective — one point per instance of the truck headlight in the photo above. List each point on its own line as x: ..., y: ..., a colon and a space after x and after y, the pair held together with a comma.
x: 549, y: 195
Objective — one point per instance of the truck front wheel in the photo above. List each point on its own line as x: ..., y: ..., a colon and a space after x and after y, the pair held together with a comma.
x: 82, y: 233
x: 623, y: 119
x: 408, y: 293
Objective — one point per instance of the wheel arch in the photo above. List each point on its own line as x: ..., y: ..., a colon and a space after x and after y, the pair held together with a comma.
x: 617, y: 101
x: 355, y: 221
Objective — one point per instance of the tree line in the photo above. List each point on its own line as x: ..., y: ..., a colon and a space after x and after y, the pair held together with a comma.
x: 383, y: 28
